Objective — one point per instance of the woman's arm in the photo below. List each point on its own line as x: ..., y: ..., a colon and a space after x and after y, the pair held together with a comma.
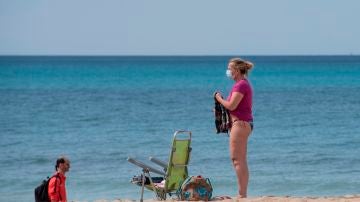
x: 231, y: 105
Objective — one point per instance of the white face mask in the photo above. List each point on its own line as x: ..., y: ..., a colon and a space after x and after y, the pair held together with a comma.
x: 228, y: 73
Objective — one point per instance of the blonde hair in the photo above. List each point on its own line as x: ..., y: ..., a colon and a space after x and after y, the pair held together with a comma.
x: 241, y: 65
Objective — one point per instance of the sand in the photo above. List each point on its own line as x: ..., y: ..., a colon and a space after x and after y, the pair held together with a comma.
x: 346, y: 198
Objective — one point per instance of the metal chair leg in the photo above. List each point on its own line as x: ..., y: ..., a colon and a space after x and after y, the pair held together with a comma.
x: 142, y: 186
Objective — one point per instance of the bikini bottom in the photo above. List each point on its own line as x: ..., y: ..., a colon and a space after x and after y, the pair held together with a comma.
x: 250, y: 122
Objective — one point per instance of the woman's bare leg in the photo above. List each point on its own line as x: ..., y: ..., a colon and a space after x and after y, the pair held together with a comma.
x: 239, y: 134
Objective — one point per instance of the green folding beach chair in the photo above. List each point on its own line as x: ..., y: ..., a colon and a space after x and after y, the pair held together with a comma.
x: 173, y: 172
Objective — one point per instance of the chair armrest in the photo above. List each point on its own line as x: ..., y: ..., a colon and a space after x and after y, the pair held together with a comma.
x: 159, y: 162
x: 144, y: 166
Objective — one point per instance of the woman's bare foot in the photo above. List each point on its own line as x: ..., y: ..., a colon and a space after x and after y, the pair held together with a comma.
x: 240, y: 196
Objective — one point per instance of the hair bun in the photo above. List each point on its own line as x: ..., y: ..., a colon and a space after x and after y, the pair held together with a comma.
x: 249, y: 65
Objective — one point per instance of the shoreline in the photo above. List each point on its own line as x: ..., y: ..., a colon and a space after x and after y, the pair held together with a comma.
x: 345, y: 198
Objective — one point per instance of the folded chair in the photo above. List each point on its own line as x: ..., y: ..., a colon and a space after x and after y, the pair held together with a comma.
x: 173, y: 172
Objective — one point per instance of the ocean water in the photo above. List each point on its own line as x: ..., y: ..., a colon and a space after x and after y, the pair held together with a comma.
x: 100, y: 110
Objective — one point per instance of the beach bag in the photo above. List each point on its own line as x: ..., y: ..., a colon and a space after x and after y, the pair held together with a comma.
x: 41, y: 191
x: 196, y: 188
x: 222, y: 117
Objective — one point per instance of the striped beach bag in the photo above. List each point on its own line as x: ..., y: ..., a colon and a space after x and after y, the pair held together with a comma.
x: 196, y: 188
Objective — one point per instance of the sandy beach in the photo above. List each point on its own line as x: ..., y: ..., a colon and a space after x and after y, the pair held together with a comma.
x: 346, y: 198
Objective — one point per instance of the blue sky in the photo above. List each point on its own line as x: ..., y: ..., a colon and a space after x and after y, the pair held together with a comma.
x: 186, y: 27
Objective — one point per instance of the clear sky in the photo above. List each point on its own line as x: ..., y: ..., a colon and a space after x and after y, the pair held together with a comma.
x: 184, y: 27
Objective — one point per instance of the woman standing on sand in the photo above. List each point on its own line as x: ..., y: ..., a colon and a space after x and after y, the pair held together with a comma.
x: 239, y: 104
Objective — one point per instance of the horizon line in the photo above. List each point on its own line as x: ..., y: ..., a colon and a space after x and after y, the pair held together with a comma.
x: 179, y: 55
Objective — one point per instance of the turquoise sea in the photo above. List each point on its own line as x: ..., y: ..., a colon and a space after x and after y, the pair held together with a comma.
x: 100, y: 110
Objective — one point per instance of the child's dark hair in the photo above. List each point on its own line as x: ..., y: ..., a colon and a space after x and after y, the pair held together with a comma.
x: 58, y: 161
